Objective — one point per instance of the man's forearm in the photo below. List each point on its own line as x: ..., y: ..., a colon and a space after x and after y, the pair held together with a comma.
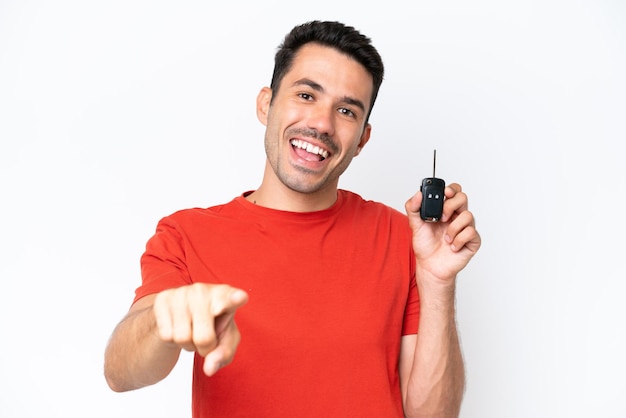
x: 437, y: 379
x: 135, y: 356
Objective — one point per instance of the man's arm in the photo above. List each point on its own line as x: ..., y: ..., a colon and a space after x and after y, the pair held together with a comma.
x: 146, y: 344
x: 136, y: 356
x: 432, y: 373
x: 431, y: 364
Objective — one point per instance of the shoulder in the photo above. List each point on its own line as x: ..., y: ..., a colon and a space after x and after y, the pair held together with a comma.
x: 192, y: 217
x: 222, y: 209
x: 355, y: 202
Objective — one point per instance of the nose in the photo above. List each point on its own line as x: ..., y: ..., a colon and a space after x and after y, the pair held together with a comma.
x: 321, y: 118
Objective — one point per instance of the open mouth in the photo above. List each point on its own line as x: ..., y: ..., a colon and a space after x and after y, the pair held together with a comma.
x: 309, y: 151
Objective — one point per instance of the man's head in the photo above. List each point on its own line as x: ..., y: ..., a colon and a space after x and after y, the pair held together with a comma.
x: 339, y: 36
x: 316, y: 112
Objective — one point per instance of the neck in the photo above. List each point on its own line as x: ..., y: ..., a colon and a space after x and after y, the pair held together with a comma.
x: 273, y: 194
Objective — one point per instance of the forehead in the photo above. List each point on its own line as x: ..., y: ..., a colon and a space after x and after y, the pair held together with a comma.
x: 335, y: 71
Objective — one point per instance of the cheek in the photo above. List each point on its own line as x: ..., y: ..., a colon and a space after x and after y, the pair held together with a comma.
x: 353, y: 147
x: 280, y: 118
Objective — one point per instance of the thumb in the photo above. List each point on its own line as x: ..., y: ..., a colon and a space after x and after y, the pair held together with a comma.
x: 224, y: 307
x: 238, y: 298
x: 227, y: 299
x: 412, y: 208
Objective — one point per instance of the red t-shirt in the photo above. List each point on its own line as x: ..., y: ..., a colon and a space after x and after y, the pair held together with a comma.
x: 331, y: 293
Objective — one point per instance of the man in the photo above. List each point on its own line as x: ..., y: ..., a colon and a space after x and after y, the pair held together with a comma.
x: 323, y: 284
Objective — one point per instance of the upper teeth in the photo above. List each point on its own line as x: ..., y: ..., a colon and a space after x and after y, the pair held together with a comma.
x: 314, y: 149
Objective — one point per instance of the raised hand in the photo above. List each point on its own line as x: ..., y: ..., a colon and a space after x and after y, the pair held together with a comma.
x: 444, y: 248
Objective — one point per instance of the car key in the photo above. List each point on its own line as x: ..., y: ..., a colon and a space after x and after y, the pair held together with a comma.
x: 432, y: 189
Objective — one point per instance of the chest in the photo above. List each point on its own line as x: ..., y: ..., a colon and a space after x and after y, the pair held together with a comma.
x: 310, y: 279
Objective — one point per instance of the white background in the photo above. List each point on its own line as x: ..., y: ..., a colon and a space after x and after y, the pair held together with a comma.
x: 114, y: 114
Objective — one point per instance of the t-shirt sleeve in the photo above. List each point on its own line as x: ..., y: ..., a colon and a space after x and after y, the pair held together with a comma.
x: 163, y: 264
x: 410, y: 324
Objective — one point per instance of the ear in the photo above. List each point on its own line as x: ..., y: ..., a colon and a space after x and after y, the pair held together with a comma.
x: 365, y: 136
x: 263, y: 104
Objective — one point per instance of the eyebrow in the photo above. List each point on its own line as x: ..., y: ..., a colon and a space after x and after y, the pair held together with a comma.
x: 317, y: 87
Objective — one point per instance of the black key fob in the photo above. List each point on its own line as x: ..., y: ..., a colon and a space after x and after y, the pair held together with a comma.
x: 432, y: 189
x: 432, y: 199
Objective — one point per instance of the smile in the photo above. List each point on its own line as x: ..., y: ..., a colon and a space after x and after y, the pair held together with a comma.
x: 310, y: 148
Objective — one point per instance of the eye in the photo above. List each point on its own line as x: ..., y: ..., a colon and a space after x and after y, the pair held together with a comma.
x: 347, y: 112
x: 305, y: 96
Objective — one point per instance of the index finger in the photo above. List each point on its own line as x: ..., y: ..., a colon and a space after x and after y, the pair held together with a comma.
x: 210, y: 304
x: 456, y: 201
x: 452, y: 189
